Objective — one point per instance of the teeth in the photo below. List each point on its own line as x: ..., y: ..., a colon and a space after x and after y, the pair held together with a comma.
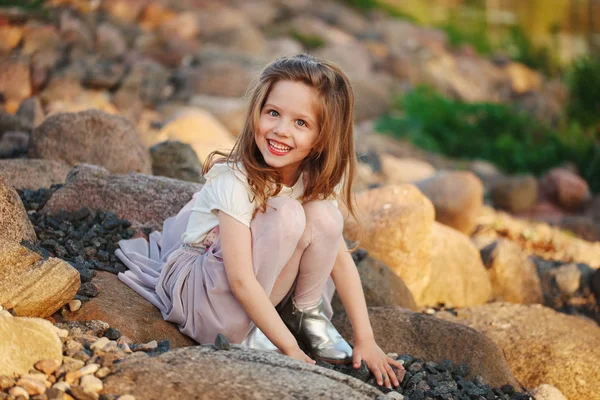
x: 279, y: 146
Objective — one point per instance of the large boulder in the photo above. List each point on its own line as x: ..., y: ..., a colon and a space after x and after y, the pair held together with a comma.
x: 13, y: 217
x: 33, y: 173
x: 92, y: 137
x: 237, y: 373
x: 142, y: 199
x: 128, y: 312
x: 199, y: 129
x: 175, y: 159
x: 458, y: 277
x: 380, y: 285
x: 514, y: 193
x: 541, y: 345
x: 456, y: 196
x: 405, y: 170
x: 432, y: 339
x: 25, y: 341
x: 513, y: 275
x: 396, y: 230
x: 565, y: 188
x: 31, y: 285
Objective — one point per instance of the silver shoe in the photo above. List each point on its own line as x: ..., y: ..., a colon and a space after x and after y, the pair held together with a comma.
x: 256, y: 339
x: 316, y: 332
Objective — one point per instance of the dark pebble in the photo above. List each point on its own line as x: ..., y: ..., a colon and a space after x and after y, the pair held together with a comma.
x: 88, y: 289
x: 112, y: 334
x: 221, y: 342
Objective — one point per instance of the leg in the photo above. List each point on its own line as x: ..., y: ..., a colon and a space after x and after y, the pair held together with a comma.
x: 321, y: 241
x: 275, y: 235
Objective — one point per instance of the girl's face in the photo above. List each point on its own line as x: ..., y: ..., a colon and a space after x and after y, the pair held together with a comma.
x: 288, y: 127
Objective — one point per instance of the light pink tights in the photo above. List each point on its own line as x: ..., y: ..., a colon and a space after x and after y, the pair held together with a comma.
x: 294, y: 247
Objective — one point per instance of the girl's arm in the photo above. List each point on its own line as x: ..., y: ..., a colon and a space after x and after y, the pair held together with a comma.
x: 347, y: 283
x: 236, y: 247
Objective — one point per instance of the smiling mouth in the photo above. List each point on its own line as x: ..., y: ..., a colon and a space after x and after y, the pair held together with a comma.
x: 278, y: 147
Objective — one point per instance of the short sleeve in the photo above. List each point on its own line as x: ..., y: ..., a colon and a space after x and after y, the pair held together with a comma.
x: 230, y: 193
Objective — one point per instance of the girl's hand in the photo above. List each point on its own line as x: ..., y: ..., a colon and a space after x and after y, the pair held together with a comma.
x: 299, y: 355
x: 378, y: 362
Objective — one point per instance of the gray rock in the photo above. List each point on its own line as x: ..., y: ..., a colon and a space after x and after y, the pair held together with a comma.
x: 175, y: 159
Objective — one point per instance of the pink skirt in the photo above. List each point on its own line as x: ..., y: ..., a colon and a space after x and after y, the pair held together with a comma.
x: 187, y: 284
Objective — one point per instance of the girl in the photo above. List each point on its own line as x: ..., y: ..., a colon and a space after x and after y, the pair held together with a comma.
x: 256, y: 253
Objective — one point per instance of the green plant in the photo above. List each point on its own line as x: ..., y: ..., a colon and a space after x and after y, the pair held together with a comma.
x: 583, y: 79
x: 310, y: 42
x: 31, y: 5
x: 495, y: 132
x: 521, y: 49
x: 367, y: 5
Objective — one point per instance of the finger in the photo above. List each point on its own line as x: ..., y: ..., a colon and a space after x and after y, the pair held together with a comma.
x: 393, y: 379
x: 357, y: 360
x: 378, y: 375
x: 395, y: 363
x: 386, y: 377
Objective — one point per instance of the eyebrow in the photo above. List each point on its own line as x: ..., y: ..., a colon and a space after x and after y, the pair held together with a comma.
x: 298, y: 115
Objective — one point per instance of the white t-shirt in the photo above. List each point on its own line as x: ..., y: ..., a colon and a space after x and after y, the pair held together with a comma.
x: 227, y: 190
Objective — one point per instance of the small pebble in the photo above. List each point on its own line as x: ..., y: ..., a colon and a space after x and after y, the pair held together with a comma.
x: 100, y: 343
x: 126, y: 397
x: 17, y: 391
x: 102, y: 372
x: 6, y: 382
x: 89, y: 369
x: 430, y: 311
x: 90, y: 383
x: 80, y: 394
x: 62, y: 386
x: 32, y: 386
x: 48, y: 367
x: 221, y: 342
x: 126, y: 348
x: 63, y: 333
x: 74, y: 305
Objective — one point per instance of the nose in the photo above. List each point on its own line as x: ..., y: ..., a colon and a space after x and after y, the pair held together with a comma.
x: 281, y: 129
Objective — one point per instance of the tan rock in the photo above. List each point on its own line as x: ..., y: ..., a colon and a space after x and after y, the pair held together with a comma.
x: 124, y: 10
x: 13, y: 217
x: 373, y: 96
x: 91, y: 137
x: 522, y: 78
x: 31, y: 285
x: 541, y: 345
x: 456, y: 196
x: 199, y: 129
x: 458, y: 277
x: 10, y: 37
x: 432, y: 339
x: 231, y: 112
x: 128, y: 312
x: 547, y: 392
x: 397, y: 224
x: 405, y: 170
x: 513, y: 275
x: 23, y: 173
x: 514, y: 193
x: 154, y: 15
x: 25, y: 341
x: 380, y: 285
x: 15, y: 82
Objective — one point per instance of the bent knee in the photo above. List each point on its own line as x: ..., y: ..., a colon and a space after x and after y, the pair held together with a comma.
x: 323, y: 217
x: 289, y: 214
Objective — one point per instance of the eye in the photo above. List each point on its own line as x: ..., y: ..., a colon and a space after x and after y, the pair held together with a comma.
x: 273, y: 113
x: 301, y: 122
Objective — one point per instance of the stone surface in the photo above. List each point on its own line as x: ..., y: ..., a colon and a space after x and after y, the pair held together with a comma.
x: 565, y: 188
x: 177, y: 160
x: 34, y: 287
x: 13, y: 217
x: 541, y: 345
x: 91, y: 137
x: 129, y: 196
x: 456, y: 196
x: 25, y: 341
x: 200, y: 130
x: 513, y: 275
x: 458, y: 277
x: 547, y: 392
x: 380, y: 285
x: 33, y: 173
x: 433, y: 339
x: 128, y: 312
x: 15, y: 82
x: 397, y: 222
x: 184, y: 373
x: 405, y: 170
x: 514, y: 193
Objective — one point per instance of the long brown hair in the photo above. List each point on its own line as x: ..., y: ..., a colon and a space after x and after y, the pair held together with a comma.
x: 332, y: 157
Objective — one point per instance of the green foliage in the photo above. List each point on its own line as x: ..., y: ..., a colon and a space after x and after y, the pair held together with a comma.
x: 521, y: 49
x: 495, y: 132
x: 310, y: 42
x: 459, y: 34
x: 30, y: 5
x: 583, y: 79
x: 367, y: 5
